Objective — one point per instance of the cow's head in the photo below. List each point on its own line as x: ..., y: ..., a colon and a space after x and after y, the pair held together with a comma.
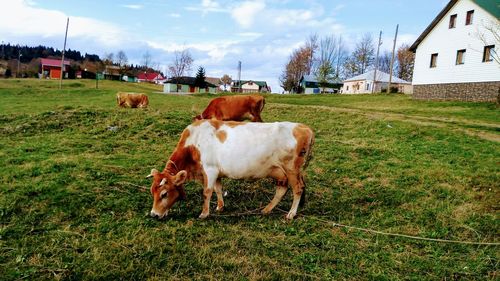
x: 166, y: 190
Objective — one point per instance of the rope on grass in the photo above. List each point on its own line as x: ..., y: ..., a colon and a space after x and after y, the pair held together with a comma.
x: 334, y: 224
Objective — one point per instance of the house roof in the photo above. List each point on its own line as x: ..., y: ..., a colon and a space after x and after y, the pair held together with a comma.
x: 149, y: 76
x: 213, y: 80
x: 186, y: 80
x: 53, y: 62
x: 260, y: 83
x: 381, y: 77
x: 491, y: 6
x: 312, y: 78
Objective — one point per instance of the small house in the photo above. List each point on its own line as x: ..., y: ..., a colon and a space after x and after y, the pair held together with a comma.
x: 186, y: 84
x: 366, y: 83
x: 51, y: 68
x: 310, y: 85
x: 250, y: 86
x: 151, y: 77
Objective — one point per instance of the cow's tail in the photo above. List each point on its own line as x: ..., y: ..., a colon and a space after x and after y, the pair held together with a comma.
x: 302, y: 201
x: 308, y: 156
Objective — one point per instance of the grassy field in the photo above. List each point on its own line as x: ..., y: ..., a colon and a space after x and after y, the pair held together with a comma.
x: 74, y: 200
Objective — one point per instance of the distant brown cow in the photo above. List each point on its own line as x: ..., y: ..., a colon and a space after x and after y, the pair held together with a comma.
x: 132, y: 100
x: 235, y: 108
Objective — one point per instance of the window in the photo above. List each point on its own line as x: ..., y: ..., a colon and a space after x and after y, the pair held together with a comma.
x: 347, y: 88
x: 460, y: 57
x: 453, y: 21
x: 468, y: 19
x: 367, y: 86
x: 434, y: 58
x: 488, y: 53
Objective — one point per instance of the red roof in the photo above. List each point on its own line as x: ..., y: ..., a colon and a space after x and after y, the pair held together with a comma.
x: 149, y: 76
x: 53, y: 62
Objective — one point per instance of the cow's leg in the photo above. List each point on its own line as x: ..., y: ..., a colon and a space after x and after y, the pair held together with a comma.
x: 220, y: 200
x: 208, y: 189
x: 297, y: 185
x: 281, y: 188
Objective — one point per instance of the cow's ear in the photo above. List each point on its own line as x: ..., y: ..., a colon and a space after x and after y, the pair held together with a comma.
x: 180, y: 178
x: 152, y: 174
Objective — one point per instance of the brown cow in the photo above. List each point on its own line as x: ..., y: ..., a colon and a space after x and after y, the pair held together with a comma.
x: 132, y: 100
x: 209, y: 150
x: 234, y: 108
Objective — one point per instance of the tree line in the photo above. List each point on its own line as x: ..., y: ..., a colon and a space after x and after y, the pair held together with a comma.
x: 329, y: 60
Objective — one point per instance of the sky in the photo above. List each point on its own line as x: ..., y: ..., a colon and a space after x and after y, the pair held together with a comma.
x: 218, y: 33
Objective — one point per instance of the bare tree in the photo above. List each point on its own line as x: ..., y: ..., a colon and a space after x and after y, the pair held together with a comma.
x: 326, y: 59
x: 406, y: 62
x: 363, y: 56
x: 489, y: 34
x: 108, y: 58
x: 299, y: 64
x: 312, y: 46
x: 146, y: 60
x: 329, y: 61
x: 121, y: 61
x: 226, y: 80
x: 384, y: 62
x: 181, y: 64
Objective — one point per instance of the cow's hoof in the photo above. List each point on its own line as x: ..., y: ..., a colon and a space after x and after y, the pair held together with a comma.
x: 266, y: 211
x: 219, y: 209
x: 290, y: 216
x: 203, y: 216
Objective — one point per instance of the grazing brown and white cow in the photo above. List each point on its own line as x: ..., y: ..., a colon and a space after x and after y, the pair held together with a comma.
x: 211, y: 149
x: 132, y: 100
x: 235, y: 108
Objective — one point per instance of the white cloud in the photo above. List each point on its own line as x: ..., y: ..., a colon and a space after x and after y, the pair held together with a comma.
x: 54, y: 24
x: 133, y: 6
x: 174, y: 15
x: 209, y: 4
x: 293, y: 17
x: 247, y: 12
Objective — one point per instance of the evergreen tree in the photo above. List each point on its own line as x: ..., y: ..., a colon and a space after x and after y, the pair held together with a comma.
x: 200, y: 78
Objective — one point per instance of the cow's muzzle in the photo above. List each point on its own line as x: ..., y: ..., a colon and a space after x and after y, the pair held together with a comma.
x: 158, y: 216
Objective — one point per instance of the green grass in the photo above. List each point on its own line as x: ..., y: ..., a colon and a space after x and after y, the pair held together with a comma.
x: 74, y: 200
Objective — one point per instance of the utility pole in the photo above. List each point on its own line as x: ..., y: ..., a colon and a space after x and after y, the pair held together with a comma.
x: 376, y: 63
x: 64, y: 49
x: 239, y: 76
x: 392, y: 59
x: 18, y: 61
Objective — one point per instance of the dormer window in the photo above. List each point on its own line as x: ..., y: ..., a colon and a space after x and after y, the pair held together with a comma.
x: 453, y: 21
x: 469, y: 17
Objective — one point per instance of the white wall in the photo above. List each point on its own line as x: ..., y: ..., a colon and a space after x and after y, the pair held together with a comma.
x: 247, y: 87
x: 446, y: 42
x: 349, y: 87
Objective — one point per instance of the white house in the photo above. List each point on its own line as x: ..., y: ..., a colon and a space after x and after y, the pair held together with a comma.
x: 250, y: 86
x: 362, y: 84
x: 455, y: 55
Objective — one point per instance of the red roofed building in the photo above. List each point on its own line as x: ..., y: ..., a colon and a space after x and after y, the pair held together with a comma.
x: 51, y: 68
x: 152, y: 77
